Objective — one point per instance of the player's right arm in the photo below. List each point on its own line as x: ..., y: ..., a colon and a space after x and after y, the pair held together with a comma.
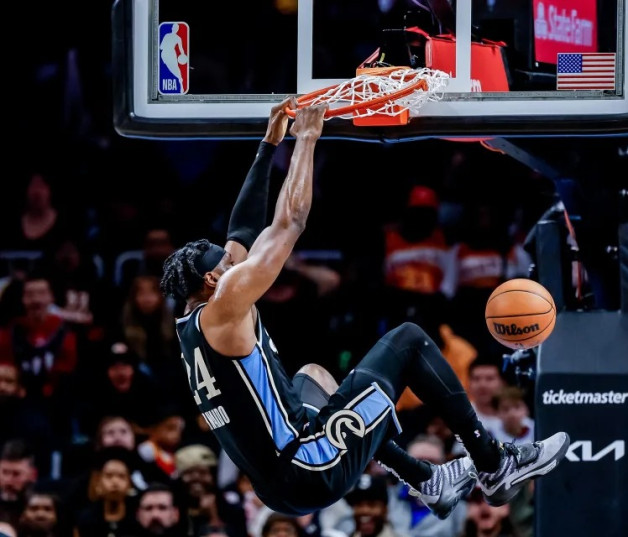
x: 248, y: 216
x: 242, y: 285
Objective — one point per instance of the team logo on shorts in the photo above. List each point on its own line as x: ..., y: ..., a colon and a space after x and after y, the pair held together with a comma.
x: 174, y: 59
x: 342, y: 423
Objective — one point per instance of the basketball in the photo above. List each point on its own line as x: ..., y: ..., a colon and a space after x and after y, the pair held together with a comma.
x: 182, y: 59
x: 520, y: 313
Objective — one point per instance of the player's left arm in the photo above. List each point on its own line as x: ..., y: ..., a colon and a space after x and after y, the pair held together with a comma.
x: 249, y: 214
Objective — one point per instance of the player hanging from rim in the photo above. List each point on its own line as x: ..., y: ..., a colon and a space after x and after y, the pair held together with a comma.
x: 303, y: 455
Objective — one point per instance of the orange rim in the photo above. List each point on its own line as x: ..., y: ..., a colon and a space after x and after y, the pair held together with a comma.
x: 308, y: 98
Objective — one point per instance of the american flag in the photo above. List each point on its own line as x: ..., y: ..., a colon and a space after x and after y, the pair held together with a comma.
x: 586, y: 71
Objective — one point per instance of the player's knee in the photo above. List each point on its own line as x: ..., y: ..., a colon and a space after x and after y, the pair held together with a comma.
x: 320, y: 375
x: 408, y: 335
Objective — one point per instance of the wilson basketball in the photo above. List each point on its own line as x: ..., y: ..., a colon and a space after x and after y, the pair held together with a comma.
x: 520, y: 313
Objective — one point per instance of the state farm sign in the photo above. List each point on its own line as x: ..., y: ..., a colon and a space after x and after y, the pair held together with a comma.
x: 564, y: 26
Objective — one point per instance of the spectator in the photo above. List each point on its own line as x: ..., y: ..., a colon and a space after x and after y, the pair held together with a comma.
x: 369, y: 501
x: 118, y: 431
x: 39, y: 223
x: 40, y: 342
x: 279, y: 525
x: 484, y: 520
x: 516, y: 425
x: 148, y: 322
x: 18, y: 475
x: 157, y: 245
x: 164, y: 429
x: 21, y: 417
x: 112, y: 432
x: 255, y: 512
x: 82, y: 296
x: 204, y: 505
x: 418, y: 264
x: 118, y: 388
x: 157, y: 513
x: 110, y: 511
x: 485, y: 381
x: 42, y: 517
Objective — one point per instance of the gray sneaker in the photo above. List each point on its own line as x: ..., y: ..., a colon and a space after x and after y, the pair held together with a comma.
x: 450, y: 482
x: 519, y: 465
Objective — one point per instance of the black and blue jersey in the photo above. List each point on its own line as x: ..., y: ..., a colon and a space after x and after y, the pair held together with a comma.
x: 297, y: 462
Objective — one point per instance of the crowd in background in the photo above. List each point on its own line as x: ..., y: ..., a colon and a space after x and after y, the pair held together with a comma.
x: 99, y: 434
x: 96, y: 414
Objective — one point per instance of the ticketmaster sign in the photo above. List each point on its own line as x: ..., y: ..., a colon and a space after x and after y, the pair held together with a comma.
x: 562, y: 397
x: 582, y: 388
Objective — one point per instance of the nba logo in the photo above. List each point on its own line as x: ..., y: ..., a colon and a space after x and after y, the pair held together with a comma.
x: 174, y: 59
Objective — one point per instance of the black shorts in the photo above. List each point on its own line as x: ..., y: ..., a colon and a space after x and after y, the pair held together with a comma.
x: 344, y: 432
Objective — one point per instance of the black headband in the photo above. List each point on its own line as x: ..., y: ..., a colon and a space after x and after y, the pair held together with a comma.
x: 209, y: 260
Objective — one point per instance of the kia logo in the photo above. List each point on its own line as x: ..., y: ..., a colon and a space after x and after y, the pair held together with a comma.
x: 582, y: 451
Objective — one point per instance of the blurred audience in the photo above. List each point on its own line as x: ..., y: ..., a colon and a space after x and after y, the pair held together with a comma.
x: 157, y: 513
x: 18, y: 475
x: 39, y: 222
x: 148, y: 326
x: 516, y: 425
x: 279, y: 525
x: 369, y: 501
x: 163, y: 427
x: 43, y: 516
x: 116, y: 387
x: 89, y: 360
x: 483, y: 520
x: 157, y: 245
x: 485, y: 381
x: 40, y: 342
x: 22, y: 417
x: 418, y: 264
x: 110, y: 510
x: 204, y: 505
x: 485, y: 256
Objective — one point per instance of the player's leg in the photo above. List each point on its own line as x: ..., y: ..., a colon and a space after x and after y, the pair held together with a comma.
x: 440, y: 487
x: 314, y: 384
x: 406, y: 356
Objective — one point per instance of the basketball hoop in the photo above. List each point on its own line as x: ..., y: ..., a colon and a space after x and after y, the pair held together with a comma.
x: 378, y: 95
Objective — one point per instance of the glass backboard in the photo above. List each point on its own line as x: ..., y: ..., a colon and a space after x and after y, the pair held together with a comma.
x: 190, y: 69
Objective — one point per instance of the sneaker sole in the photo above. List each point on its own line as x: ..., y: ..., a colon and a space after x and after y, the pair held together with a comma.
x: 507, y: 491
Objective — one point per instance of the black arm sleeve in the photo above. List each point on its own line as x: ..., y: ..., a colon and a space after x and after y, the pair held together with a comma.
x: 248, y: 216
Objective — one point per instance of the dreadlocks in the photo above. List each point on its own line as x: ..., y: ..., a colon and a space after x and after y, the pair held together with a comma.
x: 181, y: 277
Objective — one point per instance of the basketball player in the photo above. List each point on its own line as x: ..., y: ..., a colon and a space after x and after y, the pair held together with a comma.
x: 301, y: 455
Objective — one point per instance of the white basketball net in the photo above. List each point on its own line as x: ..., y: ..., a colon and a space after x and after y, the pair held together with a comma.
x: 369, y: 86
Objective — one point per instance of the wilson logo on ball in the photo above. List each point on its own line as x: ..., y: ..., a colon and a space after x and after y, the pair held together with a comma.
x: 514, y: 330
x: 520, y: 313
